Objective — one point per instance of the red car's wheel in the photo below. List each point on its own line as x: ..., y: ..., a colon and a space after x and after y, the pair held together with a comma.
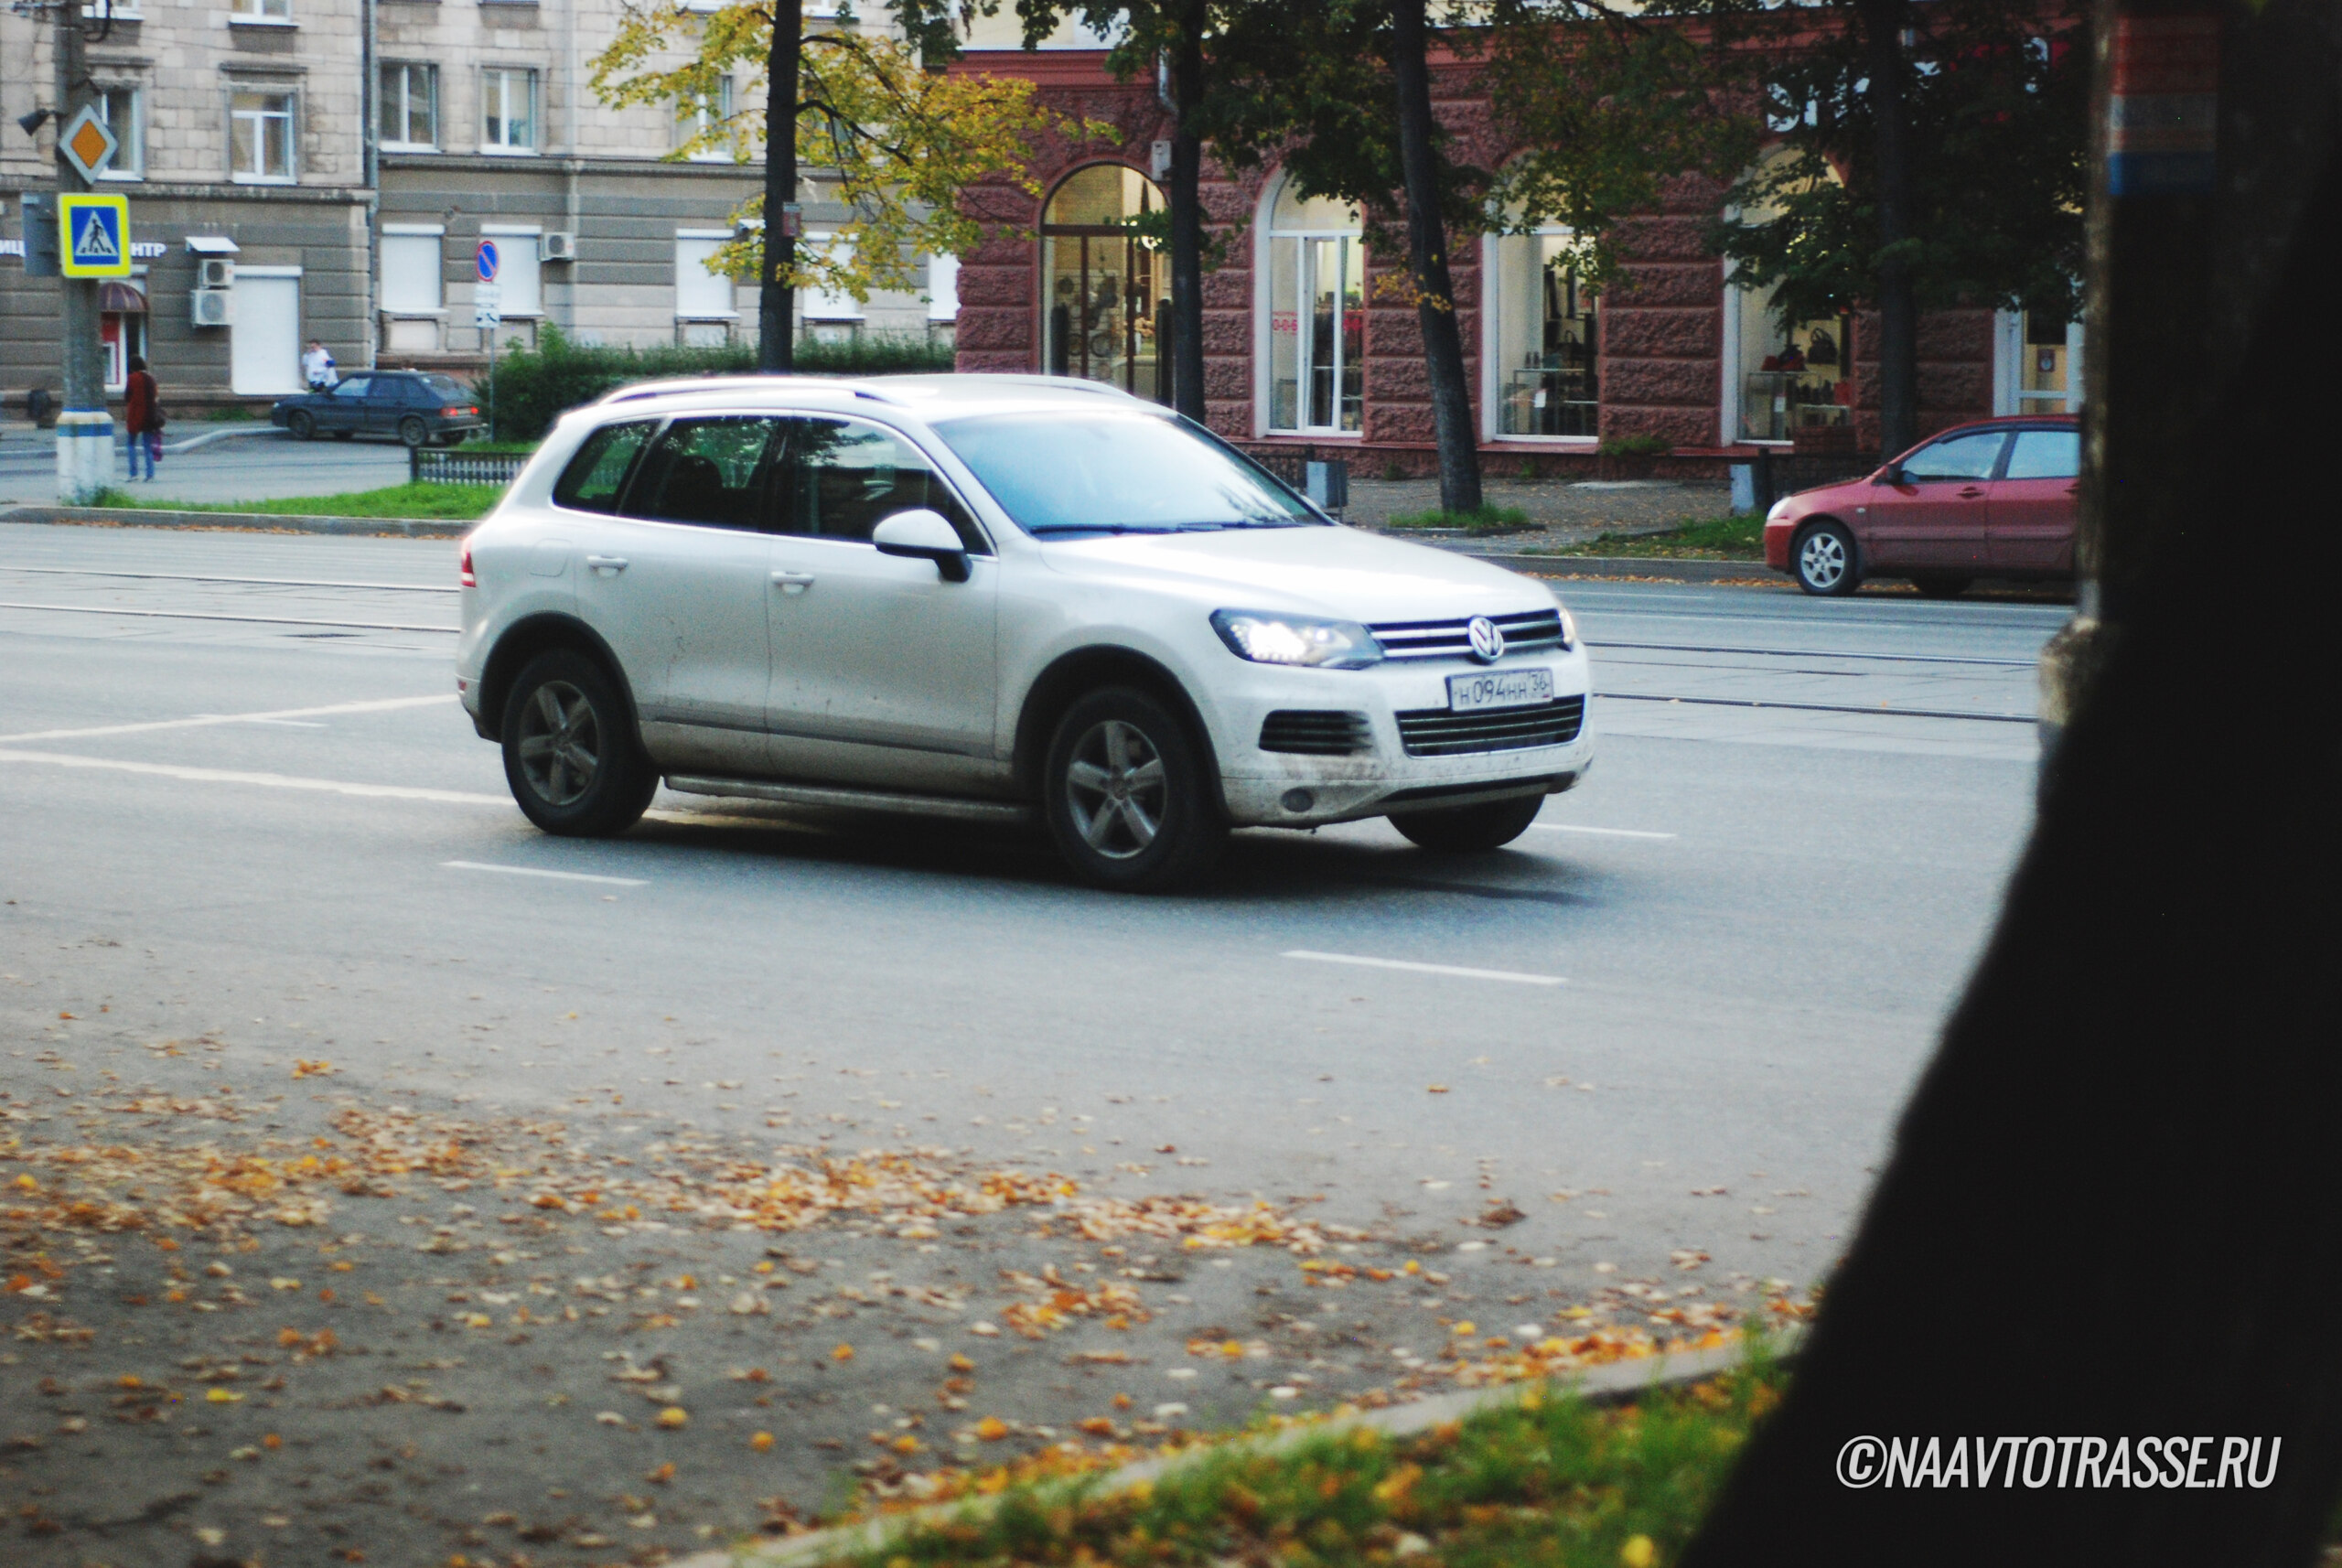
x: 1823, y: 557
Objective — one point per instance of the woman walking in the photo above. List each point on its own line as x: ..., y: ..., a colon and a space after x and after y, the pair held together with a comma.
x: 143, y: 418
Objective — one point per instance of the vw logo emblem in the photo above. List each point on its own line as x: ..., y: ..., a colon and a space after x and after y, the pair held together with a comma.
x: 1488, y: 642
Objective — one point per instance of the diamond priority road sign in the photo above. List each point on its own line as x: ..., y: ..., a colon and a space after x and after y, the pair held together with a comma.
x: 93, y: 236
x: 87, y: 143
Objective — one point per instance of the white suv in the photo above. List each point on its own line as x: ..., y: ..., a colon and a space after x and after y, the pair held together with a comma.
x: 996, y: 598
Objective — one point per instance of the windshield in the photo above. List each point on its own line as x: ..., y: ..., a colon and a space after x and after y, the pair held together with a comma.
x: 1113, y: 472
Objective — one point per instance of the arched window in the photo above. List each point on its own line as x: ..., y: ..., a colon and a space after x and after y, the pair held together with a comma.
x: 1106, y: 289
x: 1540, y: 324
x: 1316, y: 299
x: 1782, y: 375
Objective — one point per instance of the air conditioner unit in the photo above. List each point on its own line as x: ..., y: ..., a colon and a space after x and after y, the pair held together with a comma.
x: 557, y: 246
x: 213, y: 273
x: 213, y: 307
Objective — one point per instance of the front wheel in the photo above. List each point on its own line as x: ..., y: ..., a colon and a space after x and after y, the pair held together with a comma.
x: 302, y: 423
x: 1126, y: 796
x: 413, y: 431
x: 571, y: 755
x: 1465, y: 829
x: 1826, y: 560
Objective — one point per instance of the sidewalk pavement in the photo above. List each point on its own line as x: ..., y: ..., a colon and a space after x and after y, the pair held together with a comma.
x: 265, y: 465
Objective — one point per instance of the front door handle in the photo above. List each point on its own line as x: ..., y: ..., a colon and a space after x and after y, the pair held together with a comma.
x: 1971, y: 492
x: 607, y: 562
x: 792, y: 581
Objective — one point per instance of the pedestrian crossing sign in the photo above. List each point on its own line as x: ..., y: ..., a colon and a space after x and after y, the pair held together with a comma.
x: 93, y: 233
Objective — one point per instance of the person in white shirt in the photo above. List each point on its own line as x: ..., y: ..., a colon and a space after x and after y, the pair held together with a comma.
x: 317, y: 367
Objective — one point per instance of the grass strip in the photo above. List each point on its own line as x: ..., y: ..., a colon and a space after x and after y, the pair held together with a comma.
x: 446, y: 503
x: 1480, y: 524
x: 1694, y: 539
x: 1548, y: 1481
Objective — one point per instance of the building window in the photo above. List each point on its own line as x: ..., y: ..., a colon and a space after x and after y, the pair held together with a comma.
x: 259, y: 137
x: 1317, y: 288
x: 701, y: 295
x: 409, y: 97
x: 518, y: 277
x: 2049, y: 364
x: 412, y: 273
x: 1540, y: 327
x: 123, y: 110
x: 831, y: 315
x: 1106, y: 296
x: 121, y: 329
x: 262, y: 11
x: 1792, y: 375
x: 508, y: 111
x: 706, y: 115
x: 943, y: 287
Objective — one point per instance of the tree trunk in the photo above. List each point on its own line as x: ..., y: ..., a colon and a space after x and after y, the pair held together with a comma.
x: 1883, y: 22
x: 2112, y: 1210
x: 1451, y: 399
x: 776, y: 300
x: 1187, y: 346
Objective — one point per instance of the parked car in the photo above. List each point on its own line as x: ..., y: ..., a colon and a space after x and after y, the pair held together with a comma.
x: 416, y: 407
x: 996, y: 598
x: 1995, y: 498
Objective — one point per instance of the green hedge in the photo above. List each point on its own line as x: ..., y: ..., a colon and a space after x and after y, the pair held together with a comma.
x: 534, y: 386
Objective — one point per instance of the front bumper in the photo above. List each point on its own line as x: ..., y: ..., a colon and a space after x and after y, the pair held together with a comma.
x: 1279, y: 789
x: 1778, y: 536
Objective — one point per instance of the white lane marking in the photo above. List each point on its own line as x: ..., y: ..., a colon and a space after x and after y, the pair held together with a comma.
x: 267, y: 582
x: 1605, y: 832
x: 381, y: 705
x: 247, y: 620
x: 1427, y: 968
x: 266, y: 780
x: 533, y: 871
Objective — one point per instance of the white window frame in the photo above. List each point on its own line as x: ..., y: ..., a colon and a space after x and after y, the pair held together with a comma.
x: 438, y: 235
x: 129, y: 162
x: 713, y: 239
x: 405, y: 68
x: 502, y: 75
x: 2008, y: 355
x: 1492, y: 373
x: 513, y: 310
x: 291, y: 117
x: 1263, y: 332
x: 694, y: 117
x: 260, y: 14
x: 822, y: 305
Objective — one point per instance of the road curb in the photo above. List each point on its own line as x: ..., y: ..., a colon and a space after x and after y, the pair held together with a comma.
x: 238, y: 521
x: 1616, y: 1383
x: 1635, y: 567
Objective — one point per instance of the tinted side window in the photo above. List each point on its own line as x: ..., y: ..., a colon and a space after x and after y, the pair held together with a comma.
x: 2046, y: 455
x: 1969, y: 456
x: 596, y: 476
x: 845, y: 477
x: 712, y: 472
x: 353, y: 389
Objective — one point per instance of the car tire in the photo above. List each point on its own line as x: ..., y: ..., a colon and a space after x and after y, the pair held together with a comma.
x: 1941, y: 588
x: 413, y: 431
x: 1126, y: 795
x: 1825, y: 560
x: 302, y: 423
x: 1467, y: 830
x: 572, y: 758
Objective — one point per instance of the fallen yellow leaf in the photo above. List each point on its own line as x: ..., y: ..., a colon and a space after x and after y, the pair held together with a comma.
x: 960, y: 1363
x: 992, y: 1429
x: 1439, y: 1089
x: 674, y: 1415
x: 761, y: 1442
x: 223, y: 1396
x: 843, y: 1353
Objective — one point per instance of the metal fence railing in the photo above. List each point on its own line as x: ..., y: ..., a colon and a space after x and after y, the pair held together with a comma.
x: 438, y: 466
x: 1782, y: 474
x: 1325, y: 480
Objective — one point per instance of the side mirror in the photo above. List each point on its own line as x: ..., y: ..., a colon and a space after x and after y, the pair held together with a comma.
x: 1891, y: 474
x: 924, y: 535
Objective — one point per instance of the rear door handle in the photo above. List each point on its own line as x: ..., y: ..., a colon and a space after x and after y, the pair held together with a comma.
x: 792, y: 581
x: 607, y: 562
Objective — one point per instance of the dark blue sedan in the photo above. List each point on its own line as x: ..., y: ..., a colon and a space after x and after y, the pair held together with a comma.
x: 416, y: 407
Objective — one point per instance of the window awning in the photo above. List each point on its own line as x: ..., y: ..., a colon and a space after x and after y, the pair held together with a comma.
x: 122, y: 297
x: 211, y: 246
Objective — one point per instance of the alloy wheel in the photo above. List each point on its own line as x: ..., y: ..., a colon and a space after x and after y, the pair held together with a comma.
x: 1822, y: 559
x: 561, y: 743
x: 1117, y: 789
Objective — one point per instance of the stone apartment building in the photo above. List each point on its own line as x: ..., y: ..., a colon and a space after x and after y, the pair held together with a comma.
x: 344, y: 158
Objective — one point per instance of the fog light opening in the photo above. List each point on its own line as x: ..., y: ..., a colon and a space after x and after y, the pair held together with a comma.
x: 1297, y: 800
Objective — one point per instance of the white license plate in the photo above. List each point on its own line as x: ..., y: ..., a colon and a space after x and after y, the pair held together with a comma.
x: 1499, y: 689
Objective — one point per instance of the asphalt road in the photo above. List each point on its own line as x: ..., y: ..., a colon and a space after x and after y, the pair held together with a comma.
x: 1671, y: 1025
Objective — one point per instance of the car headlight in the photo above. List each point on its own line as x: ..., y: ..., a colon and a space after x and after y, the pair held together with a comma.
x: 1780, y: 510
x: 1297, y: 640
x: 1569, y: 626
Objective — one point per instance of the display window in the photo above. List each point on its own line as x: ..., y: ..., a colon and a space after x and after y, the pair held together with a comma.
x: 1540, y: 319
x: 1316, y: 278
x: 1105, y: 285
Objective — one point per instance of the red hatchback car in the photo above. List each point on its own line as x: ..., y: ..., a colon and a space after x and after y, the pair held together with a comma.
x: 1996, y: 498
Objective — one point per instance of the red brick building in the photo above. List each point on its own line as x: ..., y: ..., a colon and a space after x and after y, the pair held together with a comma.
x: 1302, y: 349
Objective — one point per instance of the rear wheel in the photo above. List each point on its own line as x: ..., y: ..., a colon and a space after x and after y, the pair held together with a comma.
x: 1941, y: 588
x: 302, y: 423
x: 413, y: 431
x: 1126, y: 796
x: 1825, y: 561
x: 571, y: 755
x: 1467, y: 829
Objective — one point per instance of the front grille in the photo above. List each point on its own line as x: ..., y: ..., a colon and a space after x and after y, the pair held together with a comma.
x: 1436, y: 732
x: 1316, y: 731
x: 1524, y: 633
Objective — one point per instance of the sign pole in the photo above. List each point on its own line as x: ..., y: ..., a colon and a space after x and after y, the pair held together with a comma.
x: 488, y: 313
x: 84, y: 429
